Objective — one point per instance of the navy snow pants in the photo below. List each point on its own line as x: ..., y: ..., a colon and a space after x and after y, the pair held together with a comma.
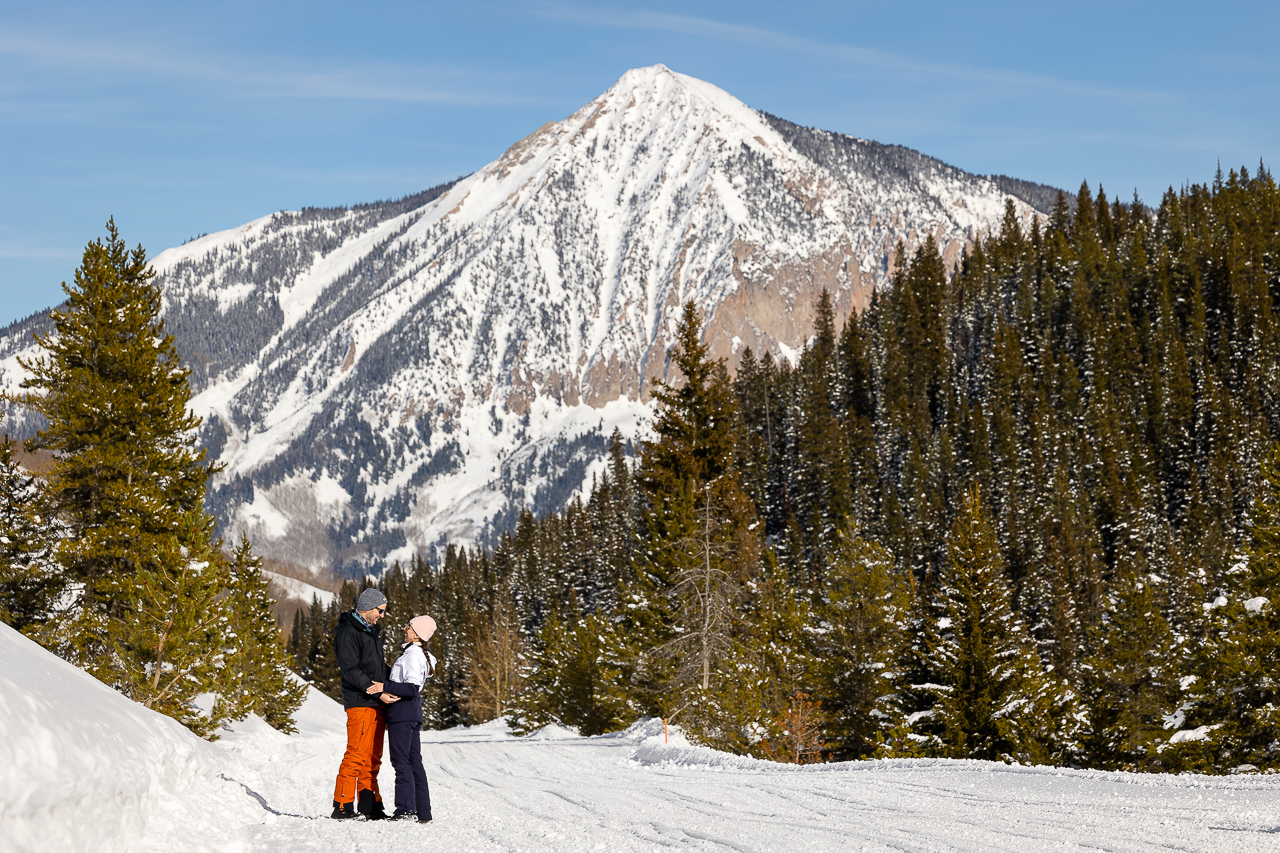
x: 412, y: 794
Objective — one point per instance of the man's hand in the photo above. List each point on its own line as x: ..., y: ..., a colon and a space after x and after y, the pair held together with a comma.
x: 389, y: 698
x: 376, y: 687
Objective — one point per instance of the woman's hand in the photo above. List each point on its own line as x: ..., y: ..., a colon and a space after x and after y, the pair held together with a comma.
x: 389, y: 698
x: 376, y: 687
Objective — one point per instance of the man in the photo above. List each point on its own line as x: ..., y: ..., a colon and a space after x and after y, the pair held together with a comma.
x: 357, y: 645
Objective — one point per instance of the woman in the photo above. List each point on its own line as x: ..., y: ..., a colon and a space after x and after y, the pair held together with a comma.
x: 404, y: 720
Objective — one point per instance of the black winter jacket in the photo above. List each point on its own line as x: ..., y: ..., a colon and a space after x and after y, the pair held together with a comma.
x: 409, y: 708
x: 358, y: 649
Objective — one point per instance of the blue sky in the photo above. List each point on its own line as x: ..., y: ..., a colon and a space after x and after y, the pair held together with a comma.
x: 181, y: 119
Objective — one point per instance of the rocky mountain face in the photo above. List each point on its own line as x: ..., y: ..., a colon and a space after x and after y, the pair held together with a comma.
x: 381, y: 379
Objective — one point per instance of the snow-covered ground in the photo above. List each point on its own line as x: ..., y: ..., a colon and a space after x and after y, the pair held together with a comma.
x: 83, y: 769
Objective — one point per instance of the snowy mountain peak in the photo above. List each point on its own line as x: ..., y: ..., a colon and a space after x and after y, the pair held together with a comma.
x: 382, y: 378
x: 659, y: 88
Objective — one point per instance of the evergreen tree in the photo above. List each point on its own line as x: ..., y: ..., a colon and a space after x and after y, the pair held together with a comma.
x: 325, y: 675
x: 30, y: 580
x: 125, y: 471
x: 170, y: 641
x: 1128, y: 681
x: 992, y: 699
x: 570, y: 679
x: 767, y: 664
x: 148, y: 605
x: 821, y: 468
x: 254, y: 677
x: 858, y: 645
x: 1232, y: 698
x: 701, y: 547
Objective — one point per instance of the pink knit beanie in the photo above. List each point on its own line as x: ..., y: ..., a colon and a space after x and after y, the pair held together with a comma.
x: 423, y: 626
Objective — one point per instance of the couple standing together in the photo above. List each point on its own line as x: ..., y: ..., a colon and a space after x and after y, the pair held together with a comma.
x: 377, y: 702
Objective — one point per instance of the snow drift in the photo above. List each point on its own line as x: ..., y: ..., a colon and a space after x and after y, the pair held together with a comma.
x: 84, y: 768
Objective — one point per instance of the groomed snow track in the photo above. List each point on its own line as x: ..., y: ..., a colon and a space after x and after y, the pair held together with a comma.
x: 84, y: 769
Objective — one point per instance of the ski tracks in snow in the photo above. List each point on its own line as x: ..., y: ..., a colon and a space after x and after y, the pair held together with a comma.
x: 494, y: 792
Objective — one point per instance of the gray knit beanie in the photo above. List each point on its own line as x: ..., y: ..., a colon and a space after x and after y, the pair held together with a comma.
x: 370, y: 599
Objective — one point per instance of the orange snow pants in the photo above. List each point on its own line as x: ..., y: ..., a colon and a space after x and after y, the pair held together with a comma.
x: 360, y: 763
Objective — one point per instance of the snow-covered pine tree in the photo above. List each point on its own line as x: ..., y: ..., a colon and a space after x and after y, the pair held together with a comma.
x: 699, y: 545
x: 325, y: 675
x: 30, y: 580
x: 255, y: 676
x: 821, y: 467
x: 1230, y: 712
x: 1128, y: 679
x: 993, y: 699
x: 767, y: 663
x: 857, y: 644
x: 857, y: 413
x: 571, y: 678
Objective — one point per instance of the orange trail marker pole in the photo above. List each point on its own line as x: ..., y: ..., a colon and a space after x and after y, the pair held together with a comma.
x: 664, y: 729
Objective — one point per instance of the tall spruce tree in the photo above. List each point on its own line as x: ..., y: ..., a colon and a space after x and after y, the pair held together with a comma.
x: 126, y: 470
x: 149, y: 605
x: 700, y: 544
x: 992, y: 698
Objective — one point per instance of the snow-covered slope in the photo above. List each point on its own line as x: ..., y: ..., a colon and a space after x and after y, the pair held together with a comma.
x: 382, y: 378
x: 84, y: 769
x: 284, y: 588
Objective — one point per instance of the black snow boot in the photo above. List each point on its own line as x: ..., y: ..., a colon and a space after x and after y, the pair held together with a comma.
x: 344, y: 811
x: 369, y: 806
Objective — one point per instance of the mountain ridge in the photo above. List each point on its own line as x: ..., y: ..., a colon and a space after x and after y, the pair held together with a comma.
x: 383, y: 378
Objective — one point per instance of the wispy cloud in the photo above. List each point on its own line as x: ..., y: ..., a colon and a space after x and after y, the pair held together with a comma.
x: 257, y: 77
x: 688, y: 25
x: 19, y: 250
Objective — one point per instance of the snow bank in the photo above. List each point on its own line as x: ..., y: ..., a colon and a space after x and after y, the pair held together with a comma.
x: 318, y: 717
x: 493, y: 730
x: 84, y: 768
x: 554, y: 731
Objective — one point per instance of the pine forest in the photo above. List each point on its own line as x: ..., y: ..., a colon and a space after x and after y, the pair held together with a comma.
x: 1026, y: 509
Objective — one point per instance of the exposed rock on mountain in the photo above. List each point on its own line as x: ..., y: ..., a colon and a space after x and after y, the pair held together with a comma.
x: 382, y: 378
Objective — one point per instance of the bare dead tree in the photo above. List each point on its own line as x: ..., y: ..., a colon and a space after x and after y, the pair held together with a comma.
x: 707, y: 589
x: 493, y: 679
x: 801, y: 732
